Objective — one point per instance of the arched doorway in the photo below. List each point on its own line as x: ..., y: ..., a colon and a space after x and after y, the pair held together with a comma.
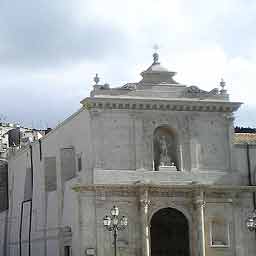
x: 169, y: 233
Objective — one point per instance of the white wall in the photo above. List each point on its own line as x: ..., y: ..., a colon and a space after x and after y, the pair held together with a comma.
x: 51, y: 210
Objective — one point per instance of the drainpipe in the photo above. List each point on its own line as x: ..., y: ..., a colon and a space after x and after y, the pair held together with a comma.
x: 20, y: 228
x: 6, y: 210
x: 30, y: 210
x: 250, y: 173
x: 31, y: 202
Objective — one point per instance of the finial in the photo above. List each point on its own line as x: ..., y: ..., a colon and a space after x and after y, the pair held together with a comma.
x: 155, y: 55
x: 96, y: 79
x: 223, y: 85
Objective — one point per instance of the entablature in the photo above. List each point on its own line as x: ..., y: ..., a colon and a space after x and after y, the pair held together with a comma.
x: 152, y: 188
x: 136, y: 103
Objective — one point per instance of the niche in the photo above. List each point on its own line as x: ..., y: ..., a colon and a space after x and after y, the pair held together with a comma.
x: 165, y: 149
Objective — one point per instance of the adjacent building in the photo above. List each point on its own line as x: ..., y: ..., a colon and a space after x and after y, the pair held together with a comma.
x: 163, y: 152
x: 15, y: 137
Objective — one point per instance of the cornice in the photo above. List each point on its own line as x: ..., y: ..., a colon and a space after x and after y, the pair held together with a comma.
x: 160, y: 104
x: 163, y: 188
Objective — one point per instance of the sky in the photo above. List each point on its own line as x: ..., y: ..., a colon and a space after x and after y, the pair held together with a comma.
x: 51, y: 50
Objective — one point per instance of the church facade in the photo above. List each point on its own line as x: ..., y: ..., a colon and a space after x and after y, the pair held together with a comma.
x: 160, y: 151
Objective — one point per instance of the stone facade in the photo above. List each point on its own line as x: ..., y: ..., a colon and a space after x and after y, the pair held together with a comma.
x: 145, y: 147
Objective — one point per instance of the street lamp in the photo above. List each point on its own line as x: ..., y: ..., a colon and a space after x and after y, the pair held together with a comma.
x: 251, y: 221
x: 114, y: 223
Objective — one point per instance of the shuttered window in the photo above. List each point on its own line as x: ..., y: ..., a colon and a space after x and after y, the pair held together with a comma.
x: 79, y: 163
x: 50, y: 173
x: 28, y: 185
x: 68, y: 163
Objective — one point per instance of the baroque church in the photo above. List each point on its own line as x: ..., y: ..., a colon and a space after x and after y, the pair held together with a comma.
x: 161, y: 153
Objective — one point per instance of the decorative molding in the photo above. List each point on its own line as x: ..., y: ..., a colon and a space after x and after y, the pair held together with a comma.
x: 200, y: 203
x: 229, y: 117
x: 145, y: 203
x: 165, y: 189
x: 195, y: 92
x: 199, y: 199
x: 160, y: 104
x: 144, y: 200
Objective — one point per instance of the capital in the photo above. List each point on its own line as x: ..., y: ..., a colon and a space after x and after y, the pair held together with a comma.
x: 199, y: 203
x: 199, y: 199
x: 145, y: 203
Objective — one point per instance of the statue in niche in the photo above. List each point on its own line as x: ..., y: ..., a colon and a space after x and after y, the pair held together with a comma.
x: 165, y: 149
x: 165, y: 159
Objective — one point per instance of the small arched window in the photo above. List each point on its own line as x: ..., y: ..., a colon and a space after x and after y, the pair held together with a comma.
x: 165, y: 148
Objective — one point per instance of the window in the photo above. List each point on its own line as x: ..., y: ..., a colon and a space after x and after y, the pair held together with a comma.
x: 219, y: 233
x: 28, y: 191
x: 68, y: 163
x: 79, y: 163
x: 50, y: 173
x: 67, y: 250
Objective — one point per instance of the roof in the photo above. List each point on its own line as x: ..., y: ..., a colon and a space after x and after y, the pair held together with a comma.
x: 157, y: 67
x: 245, y: 138
x: 157, y: 74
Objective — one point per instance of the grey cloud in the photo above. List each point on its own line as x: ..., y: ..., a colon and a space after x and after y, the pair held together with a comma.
x: 239, y: 38
x: 230, y: 24
x: 43, y: 33
x: 31, y: 105
x: 25, y: 106
x: 235, y: 30
x: 246, y: 116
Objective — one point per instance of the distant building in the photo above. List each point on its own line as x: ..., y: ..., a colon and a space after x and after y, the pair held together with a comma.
x: 4, y: 145
x: 163, y: 152
x: 13, y: 136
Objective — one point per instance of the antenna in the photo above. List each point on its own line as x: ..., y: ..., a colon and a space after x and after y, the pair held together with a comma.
x: 40, y: 124
x: 46, y: 124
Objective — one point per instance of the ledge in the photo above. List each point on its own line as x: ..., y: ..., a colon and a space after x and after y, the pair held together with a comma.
x: 207, y: 177
x: 163, y: 188
x: 164, y: 104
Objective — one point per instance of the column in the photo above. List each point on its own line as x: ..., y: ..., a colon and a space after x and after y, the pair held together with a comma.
x: 199, y: 218
x: 144, y: 207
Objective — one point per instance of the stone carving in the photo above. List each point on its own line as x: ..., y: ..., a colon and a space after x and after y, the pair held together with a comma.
x: 165, y: 149
x: 195, y: 92
x: 165, y: 159
x: 130, y: 86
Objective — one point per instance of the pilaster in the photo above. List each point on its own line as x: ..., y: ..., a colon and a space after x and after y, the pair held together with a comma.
x: 199, y: 205
x: 145, y: 228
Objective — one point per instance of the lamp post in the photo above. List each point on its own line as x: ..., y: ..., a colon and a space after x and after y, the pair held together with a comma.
x: 114, y: 223
x: 251, y: 221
